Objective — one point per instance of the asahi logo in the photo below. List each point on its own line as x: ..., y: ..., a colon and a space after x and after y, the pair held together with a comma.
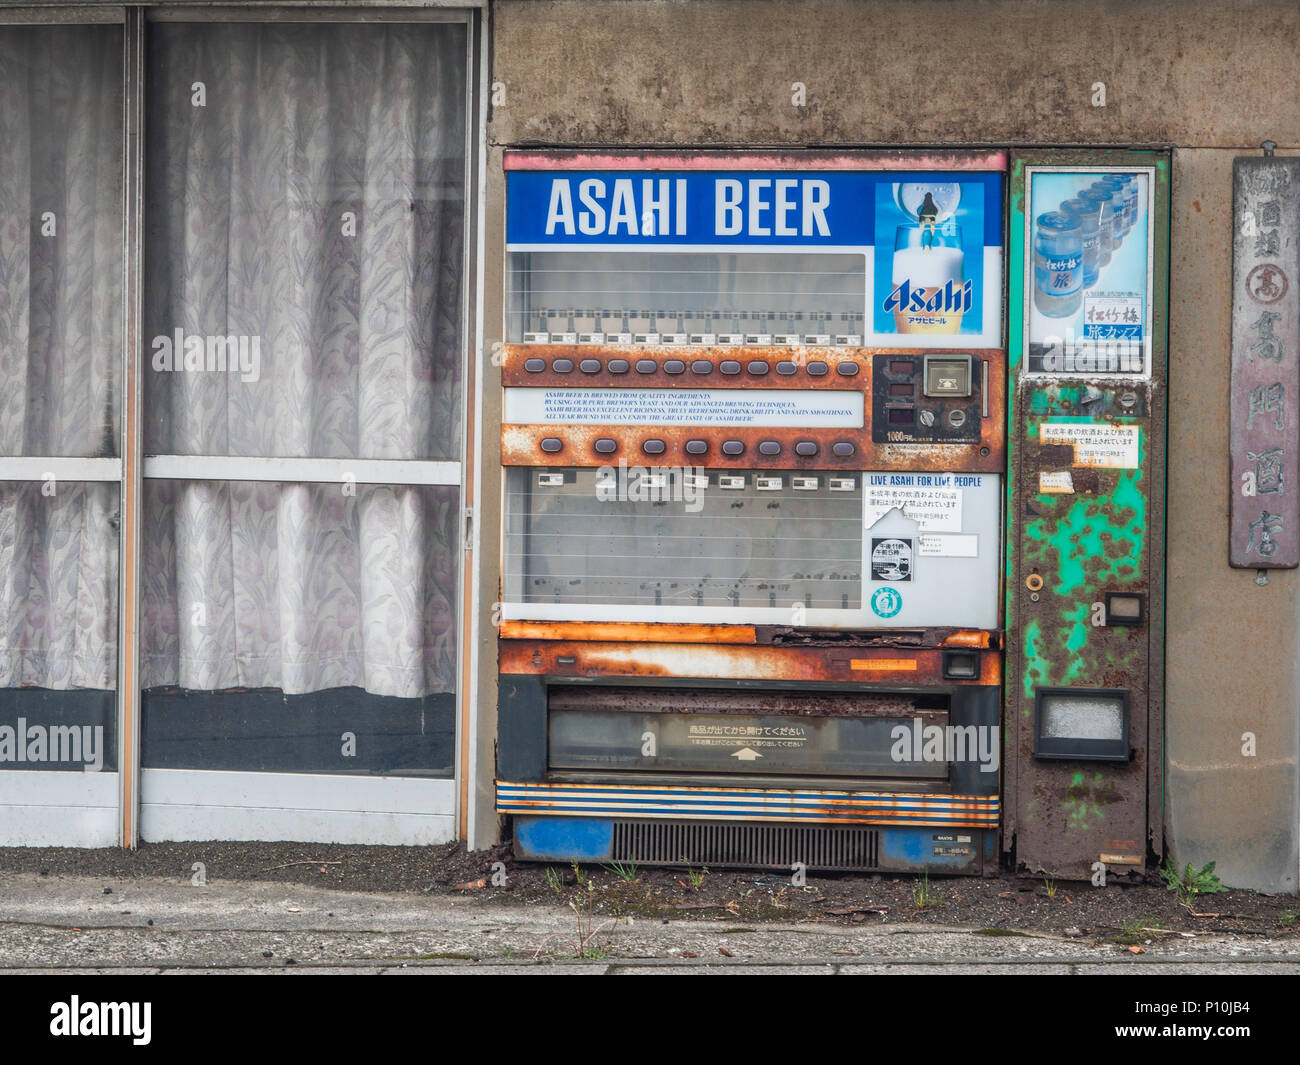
x: 949, y: 298
x: 53, y: 743
x: 198, y: 353
x: 75, y: 1017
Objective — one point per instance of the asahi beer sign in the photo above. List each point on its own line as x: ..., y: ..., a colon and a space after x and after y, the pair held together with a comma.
x: 1265, y: 429
x: 1088, y: 270
x: 930, y: 242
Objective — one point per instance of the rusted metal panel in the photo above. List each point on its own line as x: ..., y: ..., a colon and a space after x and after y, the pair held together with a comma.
x: 1085, y: 512
x: 628, y: 631
x: 982, y: 450
x: 922, y: 667
x: 1265, y: 436
x: 868, y: 159
x: 660, y: 632
x: 812, y: 703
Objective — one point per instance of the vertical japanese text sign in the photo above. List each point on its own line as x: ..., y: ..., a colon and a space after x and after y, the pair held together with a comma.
x: 1265, y: 434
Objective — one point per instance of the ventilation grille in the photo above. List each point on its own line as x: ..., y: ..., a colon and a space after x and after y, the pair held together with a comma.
x: 728, y: 844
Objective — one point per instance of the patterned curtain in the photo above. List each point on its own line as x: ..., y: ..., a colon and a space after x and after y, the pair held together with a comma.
x: 305, y: 225
x: 60, y: 349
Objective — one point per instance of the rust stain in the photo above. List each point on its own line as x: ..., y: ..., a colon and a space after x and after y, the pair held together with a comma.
x: 754, y: 159
x: 733, y: 662
x: 740, y: 701
x: 520, y: 443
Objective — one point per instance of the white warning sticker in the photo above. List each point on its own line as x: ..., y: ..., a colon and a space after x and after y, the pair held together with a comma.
x: 932, y: 500
x: 1097, y: 444
x: 948, y: 545
x: 1055, y: 482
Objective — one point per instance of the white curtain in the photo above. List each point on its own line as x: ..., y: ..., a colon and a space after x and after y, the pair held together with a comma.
x: 60, y: 349
x: 306, y: 197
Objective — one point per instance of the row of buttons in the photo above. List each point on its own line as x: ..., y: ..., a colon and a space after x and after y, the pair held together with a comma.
x: 805, y: 449
x: 699, y: 366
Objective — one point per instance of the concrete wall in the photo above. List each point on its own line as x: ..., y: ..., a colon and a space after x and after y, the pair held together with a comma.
x: 1211, y: 78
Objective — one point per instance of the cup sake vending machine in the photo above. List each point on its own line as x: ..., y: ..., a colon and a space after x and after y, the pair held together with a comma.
x: 754, y: 443
x: 1089, y: 240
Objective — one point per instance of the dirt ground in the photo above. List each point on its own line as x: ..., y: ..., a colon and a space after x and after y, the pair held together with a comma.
x: 1125, y: 913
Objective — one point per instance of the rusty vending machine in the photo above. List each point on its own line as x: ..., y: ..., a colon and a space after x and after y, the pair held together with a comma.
x: 754, y: 450
x: 1088, y: 241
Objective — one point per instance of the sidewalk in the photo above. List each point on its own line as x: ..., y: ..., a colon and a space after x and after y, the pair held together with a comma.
x: 78, y: 924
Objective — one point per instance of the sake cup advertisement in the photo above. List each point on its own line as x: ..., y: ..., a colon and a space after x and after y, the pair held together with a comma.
x: 1088, y: 271
x: 936, y: 262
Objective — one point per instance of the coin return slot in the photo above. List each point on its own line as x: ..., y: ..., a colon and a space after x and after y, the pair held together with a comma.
x: 947, y: 375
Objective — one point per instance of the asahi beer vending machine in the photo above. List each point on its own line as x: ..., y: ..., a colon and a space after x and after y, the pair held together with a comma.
x: 754, y: 452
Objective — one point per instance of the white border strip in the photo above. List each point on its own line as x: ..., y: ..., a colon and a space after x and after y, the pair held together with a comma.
x: 328, y: 471
x: 48, y: 808
x: 192, y: 804
x: 60, y: 469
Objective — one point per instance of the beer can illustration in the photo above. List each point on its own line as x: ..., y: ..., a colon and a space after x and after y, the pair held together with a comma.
x: 1058, y: 264
x: 930, y: 291
x: 1098, y: 195
x: 1091, y: 236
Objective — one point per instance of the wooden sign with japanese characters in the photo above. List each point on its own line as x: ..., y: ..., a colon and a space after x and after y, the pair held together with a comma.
x: 1264, y: 528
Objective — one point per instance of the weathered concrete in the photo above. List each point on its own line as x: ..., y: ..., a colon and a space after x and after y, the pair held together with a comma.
x: 1191, y: 72
x: 1231, y: 643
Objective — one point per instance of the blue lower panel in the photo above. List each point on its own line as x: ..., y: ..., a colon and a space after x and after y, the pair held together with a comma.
x: 936, y: 850
x: 564, y: 838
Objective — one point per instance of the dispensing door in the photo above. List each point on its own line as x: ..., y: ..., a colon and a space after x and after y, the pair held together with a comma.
x: 1085, y: 581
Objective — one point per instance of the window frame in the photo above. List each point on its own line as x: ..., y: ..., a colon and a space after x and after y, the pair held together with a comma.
x: 133, y: 466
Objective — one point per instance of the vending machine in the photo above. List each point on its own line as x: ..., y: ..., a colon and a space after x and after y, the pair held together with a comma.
x: 754, y: 446
x: 1089, y: 238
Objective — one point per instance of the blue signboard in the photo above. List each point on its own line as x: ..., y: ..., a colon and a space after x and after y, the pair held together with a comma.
x: 931, y: 242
